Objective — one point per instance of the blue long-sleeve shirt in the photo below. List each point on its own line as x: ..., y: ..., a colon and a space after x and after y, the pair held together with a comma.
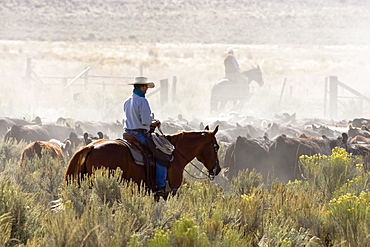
x: 231, y: 64
x: 138, y: 113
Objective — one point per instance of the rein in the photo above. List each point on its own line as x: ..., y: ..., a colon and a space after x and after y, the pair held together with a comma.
x: 210, y: 177
x: 207, y: 175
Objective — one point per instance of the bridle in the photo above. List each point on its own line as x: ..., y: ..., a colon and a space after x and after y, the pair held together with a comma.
x: 211, y: 173
x: 252, y: 77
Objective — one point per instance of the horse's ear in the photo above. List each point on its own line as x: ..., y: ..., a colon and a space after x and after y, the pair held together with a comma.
x: 345, y: 137
x: 215, y: 130
x: 206, y: 128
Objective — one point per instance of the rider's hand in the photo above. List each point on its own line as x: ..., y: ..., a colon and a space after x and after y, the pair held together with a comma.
x: 156, y: 123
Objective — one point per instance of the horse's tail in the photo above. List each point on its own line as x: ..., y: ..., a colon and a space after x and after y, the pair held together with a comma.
x: 77, y: 165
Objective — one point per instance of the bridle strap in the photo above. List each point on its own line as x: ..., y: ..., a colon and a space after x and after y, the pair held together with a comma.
x: 189, y: 161
x: 210, y: 177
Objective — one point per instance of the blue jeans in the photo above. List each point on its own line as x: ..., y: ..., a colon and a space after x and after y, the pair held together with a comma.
x: 160, y: 171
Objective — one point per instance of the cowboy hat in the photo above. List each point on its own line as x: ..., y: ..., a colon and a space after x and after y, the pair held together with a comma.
x: 230, y: 50
x: 141, y: 80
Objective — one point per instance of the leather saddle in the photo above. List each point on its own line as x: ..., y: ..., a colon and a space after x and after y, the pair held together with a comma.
x: 140, y: 153
x: 141, y: 156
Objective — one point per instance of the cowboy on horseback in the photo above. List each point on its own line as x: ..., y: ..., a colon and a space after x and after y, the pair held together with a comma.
x: 140, y: 120
x: 232, y: 70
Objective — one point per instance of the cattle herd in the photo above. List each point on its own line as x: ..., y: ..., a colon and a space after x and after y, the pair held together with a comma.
x: 271, y: 147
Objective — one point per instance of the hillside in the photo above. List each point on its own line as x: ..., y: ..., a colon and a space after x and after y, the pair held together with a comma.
x: 315, y: 22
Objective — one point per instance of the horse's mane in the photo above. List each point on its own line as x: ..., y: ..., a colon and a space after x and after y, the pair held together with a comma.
x: 174, y: 138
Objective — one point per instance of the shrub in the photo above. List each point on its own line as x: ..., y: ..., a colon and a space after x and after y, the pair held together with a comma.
x: 186, y: 233
x: 350, y: 215
x: 327, y: 173
x: 5, y: 228
x: 245, y: 181
x: 105, y: 211
x: 41, y: 176
x: 13, y: 208
x: 160, y: 238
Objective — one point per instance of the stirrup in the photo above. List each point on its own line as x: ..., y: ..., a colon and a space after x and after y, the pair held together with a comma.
x: 161, y: 191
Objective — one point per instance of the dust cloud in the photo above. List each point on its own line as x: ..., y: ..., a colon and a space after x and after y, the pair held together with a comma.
x: 296, y: 61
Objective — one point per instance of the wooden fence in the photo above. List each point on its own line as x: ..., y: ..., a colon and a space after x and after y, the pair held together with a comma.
x: 335, y: 99
x: 100, y: 82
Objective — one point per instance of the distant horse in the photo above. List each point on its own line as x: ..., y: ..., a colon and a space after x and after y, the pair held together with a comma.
x: 113, y: 154
x: 225, y: 91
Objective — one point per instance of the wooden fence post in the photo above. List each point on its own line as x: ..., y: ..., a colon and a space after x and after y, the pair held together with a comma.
x: 333, y: 89
x: 29, y: 70
x: 86, y: 79
x: 174, y: 82
x: 164, y: 90
x: 282, y: 91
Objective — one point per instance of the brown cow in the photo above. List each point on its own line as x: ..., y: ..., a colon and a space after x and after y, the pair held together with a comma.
x: 304, y: 135
x: 360, y: 139
x: 284, y: 153
x: 326, y: 144
x: 57, y: 150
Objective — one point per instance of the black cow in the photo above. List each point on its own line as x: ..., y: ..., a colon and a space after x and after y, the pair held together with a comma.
x: 249, y: 154
x: 6, y: 123
x: 359, y: 122
x: 275, y: 130
x: 31, y: 133
x: 363, y: 131
x: 115, y: 128
x: 27, y: 133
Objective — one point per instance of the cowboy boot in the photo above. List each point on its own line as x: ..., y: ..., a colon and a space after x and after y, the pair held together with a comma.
x: 161, y: 191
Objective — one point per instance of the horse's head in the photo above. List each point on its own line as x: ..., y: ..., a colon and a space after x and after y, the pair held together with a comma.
x: 255, y: 74
x: 209, y: 155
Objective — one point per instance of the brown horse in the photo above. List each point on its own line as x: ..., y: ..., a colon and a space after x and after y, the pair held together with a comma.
x: 56, y: 149
x: 112, y: 154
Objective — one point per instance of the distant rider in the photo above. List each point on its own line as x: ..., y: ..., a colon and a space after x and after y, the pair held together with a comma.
x: 232, y: 71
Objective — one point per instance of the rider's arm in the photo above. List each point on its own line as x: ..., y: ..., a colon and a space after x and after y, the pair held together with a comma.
x: 235, y: 63
x: 146, y: 114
